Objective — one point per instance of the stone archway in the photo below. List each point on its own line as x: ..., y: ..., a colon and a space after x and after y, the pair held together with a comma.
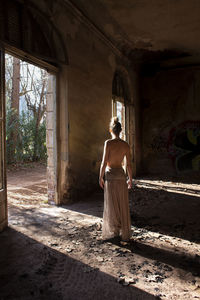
x: 24, y: 27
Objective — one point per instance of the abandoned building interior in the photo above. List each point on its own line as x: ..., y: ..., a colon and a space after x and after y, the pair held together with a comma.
x: 138, y: 60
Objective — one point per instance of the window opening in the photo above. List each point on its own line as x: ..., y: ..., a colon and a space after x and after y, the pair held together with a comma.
x: 120, y: 105
x: 119, y: 111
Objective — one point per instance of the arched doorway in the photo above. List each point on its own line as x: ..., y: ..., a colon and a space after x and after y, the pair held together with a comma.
x: 25, y: 28
x: 28, y: 34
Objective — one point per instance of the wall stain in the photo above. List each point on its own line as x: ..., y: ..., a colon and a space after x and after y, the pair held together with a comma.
x: 184, y: 146
x: 158, y: 144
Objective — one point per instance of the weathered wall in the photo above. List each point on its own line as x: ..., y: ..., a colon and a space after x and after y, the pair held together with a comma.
x: 86, y: 98
x: 171, y: 122
x: 51, y: 140
x: 90, y: 77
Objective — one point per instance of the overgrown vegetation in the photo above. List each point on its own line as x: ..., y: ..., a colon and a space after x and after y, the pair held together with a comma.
x: 26, y: 88
x: 30, y: 145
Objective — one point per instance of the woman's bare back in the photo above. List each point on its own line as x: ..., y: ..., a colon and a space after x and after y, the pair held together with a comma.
x: 116, y: 150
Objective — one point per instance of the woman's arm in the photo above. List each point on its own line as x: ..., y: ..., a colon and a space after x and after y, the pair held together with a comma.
x: 129, y: 169
x: 103, y: 165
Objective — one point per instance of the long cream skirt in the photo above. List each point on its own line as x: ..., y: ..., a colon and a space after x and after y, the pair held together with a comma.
x: 116, y: 215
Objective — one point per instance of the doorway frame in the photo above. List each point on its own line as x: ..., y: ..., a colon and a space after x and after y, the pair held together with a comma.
x: 52, y: 70
x: 3, y: 190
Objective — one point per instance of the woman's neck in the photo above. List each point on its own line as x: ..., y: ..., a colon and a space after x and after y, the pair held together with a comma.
x: 115, y: 137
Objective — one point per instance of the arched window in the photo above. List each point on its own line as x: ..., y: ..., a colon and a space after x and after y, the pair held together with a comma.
x: 24, y: 27
x: 120, y: 99
x: 119, y: 88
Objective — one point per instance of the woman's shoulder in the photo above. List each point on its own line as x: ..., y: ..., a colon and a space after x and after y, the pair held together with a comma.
x: 125, y: 143
x: 118, y: 141
x: 107, y: 142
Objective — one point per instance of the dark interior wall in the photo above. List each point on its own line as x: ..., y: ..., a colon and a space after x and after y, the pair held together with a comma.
x: 90, y: 75
x: 171, y: 122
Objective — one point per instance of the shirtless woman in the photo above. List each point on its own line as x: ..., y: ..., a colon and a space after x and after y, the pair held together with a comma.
x: 116, y: 216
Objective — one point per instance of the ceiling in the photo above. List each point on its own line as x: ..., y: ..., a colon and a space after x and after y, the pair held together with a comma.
x: 148, y: 30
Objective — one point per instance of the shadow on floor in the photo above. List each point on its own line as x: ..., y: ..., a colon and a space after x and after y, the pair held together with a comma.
x: 37, y: 221
x: 189, y: 178
x: 157, y: 210
x: 31, y: 270
x: 186, y: 262
x: 166, y: 212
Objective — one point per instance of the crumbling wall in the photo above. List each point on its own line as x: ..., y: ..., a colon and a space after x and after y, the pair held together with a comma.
x: 90, y: 77
x: 171, y: 122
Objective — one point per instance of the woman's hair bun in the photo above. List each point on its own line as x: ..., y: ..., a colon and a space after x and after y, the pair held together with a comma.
x: 115, y: 125
x: 115, y: 120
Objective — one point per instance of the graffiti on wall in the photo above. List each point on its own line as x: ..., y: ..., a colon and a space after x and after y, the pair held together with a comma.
x: 158, y: 144
x: 184, y: 146
x: 160, y: 138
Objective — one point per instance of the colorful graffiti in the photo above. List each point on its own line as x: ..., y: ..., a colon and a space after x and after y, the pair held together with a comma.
x: 184, y: 146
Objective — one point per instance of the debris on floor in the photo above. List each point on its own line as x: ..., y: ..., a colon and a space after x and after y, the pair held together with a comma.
x: 57, y: 252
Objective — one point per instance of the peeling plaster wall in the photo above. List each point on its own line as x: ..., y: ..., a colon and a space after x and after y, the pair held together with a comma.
x: 171, y: 122
x: 144, y: 24
x: 89, y: 90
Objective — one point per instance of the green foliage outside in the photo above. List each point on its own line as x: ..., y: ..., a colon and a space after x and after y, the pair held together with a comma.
x: 31, y: 145
x: 25, y: 125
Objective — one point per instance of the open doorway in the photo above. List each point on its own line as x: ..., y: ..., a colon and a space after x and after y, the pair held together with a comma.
x: 30, y: 94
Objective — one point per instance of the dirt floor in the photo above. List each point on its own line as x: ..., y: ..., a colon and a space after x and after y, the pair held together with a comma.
x: 50, y: 252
